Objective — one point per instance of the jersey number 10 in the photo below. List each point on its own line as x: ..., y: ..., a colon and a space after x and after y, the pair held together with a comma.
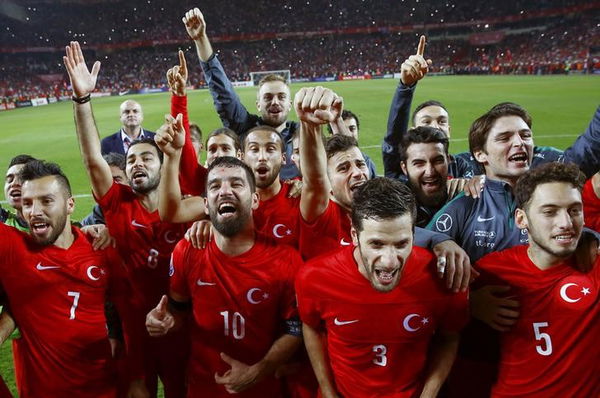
x: 236, y: 325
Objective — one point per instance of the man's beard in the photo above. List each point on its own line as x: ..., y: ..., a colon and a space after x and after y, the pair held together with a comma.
x: 231, y: 226
x: 57, y: 228
x: 144, y: 188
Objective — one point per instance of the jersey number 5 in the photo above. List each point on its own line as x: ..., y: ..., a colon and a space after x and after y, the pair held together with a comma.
x: 539, y: 335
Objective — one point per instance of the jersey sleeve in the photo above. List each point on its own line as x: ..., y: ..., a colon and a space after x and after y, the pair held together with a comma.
x: 308, y: 301
x: 178, y: 270
x: 227, y: 103
x: 111, y: 199
x: 321, y: 235
x: 591, y: 206
x: 192, y: 176
x: 585, y: 151
x: 397, y: 125
x: 451, y: 218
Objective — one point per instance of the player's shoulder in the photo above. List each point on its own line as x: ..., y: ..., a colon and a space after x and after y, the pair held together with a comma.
x: 420, y: 270
x: 326, y: 265
x: 452, y: 213
x: 504, y: 259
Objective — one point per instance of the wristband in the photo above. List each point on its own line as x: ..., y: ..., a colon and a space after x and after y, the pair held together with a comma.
x: 82, y: 100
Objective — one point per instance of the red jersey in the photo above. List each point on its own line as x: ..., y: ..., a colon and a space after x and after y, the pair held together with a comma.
x: 240, y: 305
x: 144, y: 242
x: 591, y: 206
x: 278, y: 217
x: 57, y: 297
x: 552, y: 350
x: 377, y: 342
x: 329, y: 232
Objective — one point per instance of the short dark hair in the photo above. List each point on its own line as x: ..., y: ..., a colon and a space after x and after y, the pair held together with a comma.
x: 480, y: 129
x: 20, y: 159
x: 547, y: 173
x: 231, y: 162
x: 382, y: 198
x: 422, y: 135
x: 149, y: 141
x: 36, y: 169
x: 346, y: 114
x: 339, y: 143
x: 115, y: 159
x: 425, y: 105
x: 229, y: 133
x: 195, y: 132
x: 270, y: 129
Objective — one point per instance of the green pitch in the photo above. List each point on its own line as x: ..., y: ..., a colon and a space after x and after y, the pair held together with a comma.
x: 561, y: 107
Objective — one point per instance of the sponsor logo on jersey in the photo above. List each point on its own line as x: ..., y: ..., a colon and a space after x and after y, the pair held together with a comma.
x: 342, y: 323
x: 200, y: 282
x: 444, y: 223
x: 344, y: 243
x: 484, y: 219
x: 137, y: 224
x: 41, y: 267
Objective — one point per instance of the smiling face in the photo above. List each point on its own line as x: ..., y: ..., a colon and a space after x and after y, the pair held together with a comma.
x: 274, y: 103
x: 553, y: 218
x: 508, y: 149
x: 46, y: 208
x: 263, y: 154
x: 433, y: 116
x: 347, y: 170
x: 143, y: 168
x: 382, y: 248
x: 229, y: 199
x: 426, y: 167
x: 12, y: 186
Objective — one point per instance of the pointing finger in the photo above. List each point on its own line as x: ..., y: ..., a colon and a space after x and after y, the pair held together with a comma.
x: 421, y: 47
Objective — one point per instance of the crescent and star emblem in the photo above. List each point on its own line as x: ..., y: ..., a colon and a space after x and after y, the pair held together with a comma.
x: 276, y: 232
x: 90, y: 272
x: 256, y: 295
x: 169, y: 238
x: 563, y: 292
x: 409, y: 317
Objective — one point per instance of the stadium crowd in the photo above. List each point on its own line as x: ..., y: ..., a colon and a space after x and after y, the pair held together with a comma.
x: 284, y: 266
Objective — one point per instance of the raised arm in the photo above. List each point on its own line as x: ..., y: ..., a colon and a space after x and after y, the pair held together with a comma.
x: 192, y: 176
x: 585, y: 151
x: 314, y: 106
x: 83, y: 83
x: 227, y: 103
x: 412, y: 70
x: 170, y: 138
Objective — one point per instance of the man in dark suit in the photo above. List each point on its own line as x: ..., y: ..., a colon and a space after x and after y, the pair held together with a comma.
x: 131, y: 129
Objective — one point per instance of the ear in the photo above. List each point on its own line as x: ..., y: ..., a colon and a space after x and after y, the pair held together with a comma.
x: 403, y: 167
x: 521, y: 219
x: 206, y: 206
x: 255, y: 200
x: 481, y: 156
x: 283, y: 157
x: 239, y: 154
x: 70, y: 205
x: 354, y: 234
x: 449, y: 132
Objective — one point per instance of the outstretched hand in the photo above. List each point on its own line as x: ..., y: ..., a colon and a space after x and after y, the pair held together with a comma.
x: 194, y: 24
x: 177, y: 76
x: 415, y: 67
x: 83, y: 81
x: 318, y: 105
x: 170, y: 137
x: 159, y: 321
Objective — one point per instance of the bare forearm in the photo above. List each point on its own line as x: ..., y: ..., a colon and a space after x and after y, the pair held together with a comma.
x: 7, y: 326
x: 316, y: 353
x: 442, y: 357
x: 89, y: 146
x: 315, y: 190
x: 281, y: 350
x: 169, y: 191
x: 203, y: 48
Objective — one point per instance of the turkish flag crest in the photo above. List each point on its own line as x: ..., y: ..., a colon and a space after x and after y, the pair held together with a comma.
x: 576, y: 292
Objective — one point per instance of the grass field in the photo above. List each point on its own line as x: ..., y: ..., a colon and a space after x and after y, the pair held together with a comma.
x: 561, y: 107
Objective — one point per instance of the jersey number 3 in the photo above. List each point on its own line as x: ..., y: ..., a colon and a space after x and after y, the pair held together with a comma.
x: 380, y: 359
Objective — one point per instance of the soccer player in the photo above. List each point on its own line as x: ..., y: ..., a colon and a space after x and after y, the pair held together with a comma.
x: 131, y: 116
x: 143, y: 241
x: 552, y: 350
x: 222, y: 142
x: 196, y: 136
x: 273, y: 100
x: 349, y: 124
x: 56, y: 285
x: 391, y: 326
x: 238, y: 292
x: 12, y: 193
x: 431, y: 113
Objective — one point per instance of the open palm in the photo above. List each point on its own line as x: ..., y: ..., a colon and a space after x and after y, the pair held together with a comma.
x: 83, y: 81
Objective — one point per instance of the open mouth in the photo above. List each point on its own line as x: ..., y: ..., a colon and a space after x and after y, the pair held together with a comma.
x: 385, y: 277
x: 227, y: 209
x: 564, y: 239
x: 431, y: 184
x: 262, y: 171
x: 138, y: 176
x: 520, y: 158
x: 15, y: 194
x: 356, y: 185
x: 40, y: 227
